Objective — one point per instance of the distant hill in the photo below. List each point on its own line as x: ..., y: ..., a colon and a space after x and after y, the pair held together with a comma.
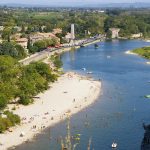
x: 96, y: 5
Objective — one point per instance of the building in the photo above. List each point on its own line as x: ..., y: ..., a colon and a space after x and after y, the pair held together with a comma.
x: 57, y: 31
x: 23, y: 42
x: 139, y: 35
x: 115, y: 32
x: 68, y: 37
x: 15, y: 36
x: 17, y: 28
x: 72, y: 32
x: 43, y: 28
x: 101, y: 11
x: 41, y: 36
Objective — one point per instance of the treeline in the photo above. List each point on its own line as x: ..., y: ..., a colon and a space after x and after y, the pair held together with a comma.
x: 47, y: 21
x: 21, y: 83
x: 129, y: 23
x: 86, y: 23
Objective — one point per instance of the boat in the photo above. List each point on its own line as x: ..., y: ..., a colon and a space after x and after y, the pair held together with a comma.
x: 90, y: 72
x: 147, y: 96
x: 84, y: 69
x: 82, y: 45
x: 108, y: 56
x: 114, y: 145
x: 96, y: 45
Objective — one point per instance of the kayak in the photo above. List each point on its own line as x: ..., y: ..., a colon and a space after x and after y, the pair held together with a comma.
x: 147, y: 96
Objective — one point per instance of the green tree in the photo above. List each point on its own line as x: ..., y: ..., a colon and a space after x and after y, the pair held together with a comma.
x: 3, y: 101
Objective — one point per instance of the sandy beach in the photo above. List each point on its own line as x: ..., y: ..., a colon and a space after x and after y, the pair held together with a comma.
x: 148, y: 62
x: 130, y: 52
x: 71, y: 92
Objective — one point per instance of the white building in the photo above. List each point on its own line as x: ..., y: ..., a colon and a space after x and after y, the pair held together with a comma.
x: 115, y: 32
x: 138, y: 35
x: 41, y: 36
x: 17, y: 28
x: 23, y: 42
x: 57, y: 30
x: 68, y: 37
x: 72, y: 32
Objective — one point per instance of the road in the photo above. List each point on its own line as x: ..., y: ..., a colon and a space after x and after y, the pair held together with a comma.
x: 47, y: 52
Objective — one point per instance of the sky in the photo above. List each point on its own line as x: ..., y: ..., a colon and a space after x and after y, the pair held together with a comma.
x: 76, y: 2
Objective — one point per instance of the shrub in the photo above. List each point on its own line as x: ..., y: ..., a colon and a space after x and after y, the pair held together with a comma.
x: 10, y: 120
x: 3, y: 101
x: 56, y: 61
x: 25, y: 100
x: 14, y: 119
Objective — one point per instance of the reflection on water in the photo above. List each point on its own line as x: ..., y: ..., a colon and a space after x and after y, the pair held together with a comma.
x: 146, y: 140
x: 121, y: 109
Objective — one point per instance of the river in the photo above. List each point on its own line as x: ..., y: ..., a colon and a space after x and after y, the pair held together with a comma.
x: 121, y: 109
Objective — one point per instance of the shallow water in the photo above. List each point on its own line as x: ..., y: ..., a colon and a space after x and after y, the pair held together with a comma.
x: 119, y: 112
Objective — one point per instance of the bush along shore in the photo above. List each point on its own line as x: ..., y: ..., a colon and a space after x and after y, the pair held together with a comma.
x: 144, y: 52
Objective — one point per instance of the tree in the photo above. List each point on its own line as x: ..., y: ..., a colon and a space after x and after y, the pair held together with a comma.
x: 29, y: 43
x: 44, y: 70
x: 12, y: 49
x: 40, y: 45
x: 6, y: 33
x: 3, y: 101
x: 23, y: 28
x: 109, y: 34
x: 57, y: 61
x: 33, y: 49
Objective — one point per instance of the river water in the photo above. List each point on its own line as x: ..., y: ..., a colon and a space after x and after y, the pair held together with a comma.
x: 119, y: 112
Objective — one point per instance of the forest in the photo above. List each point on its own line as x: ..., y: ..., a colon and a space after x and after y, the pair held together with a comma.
x: 129, y: 21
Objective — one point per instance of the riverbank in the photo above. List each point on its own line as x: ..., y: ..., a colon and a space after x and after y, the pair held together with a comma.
x: 130, y: 53
x: 92, y: 42
x: 71, y: 92
x: 47, y: 53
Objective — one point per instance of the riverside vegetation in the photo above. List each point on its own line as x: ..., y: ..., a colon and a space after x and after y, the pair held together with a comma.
x: 19, y: 84
x: 144, y: 52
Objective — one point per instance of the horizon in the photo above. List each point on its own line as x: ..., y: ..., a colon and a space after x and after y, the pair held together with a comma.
x: 68, y: 2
